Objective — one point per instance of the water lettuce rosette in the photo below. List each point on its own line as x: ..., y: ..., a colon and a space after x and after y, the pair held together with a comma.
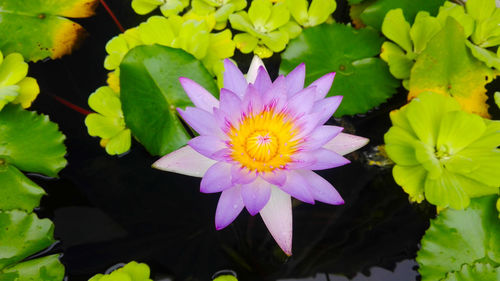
x: 260, y: 142
x: 442, y: 153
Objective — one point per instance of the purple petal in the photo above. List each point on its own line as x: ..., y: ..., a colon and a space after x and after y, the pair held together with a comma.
x: 320, y: 136
x: 230, y: 104
x: 308, y: 123
x: 297, y: 186
x: 253, y: 69
x: 207, y: 145
x: 255, y: 195
x: 327, y: 159
x: 241, y: 175
x: 301, y: 160
x: 217, y: 178
x: 185, y: 161
x: 198, y: 95
x: 229, y: 207
x: 327, y: 107
x: 263, y: 81
x: 321, y: 189
x: 276, y: 177
x: 302, y: 102
x: 201, y: 121
x: 323, y: 85
x: 234, y: 79
x: 277, y: 216
x: 295, y: 79
x: 252, y: 102
x: 346, y: 143
x: 276, y: 93
x: 223, y: 155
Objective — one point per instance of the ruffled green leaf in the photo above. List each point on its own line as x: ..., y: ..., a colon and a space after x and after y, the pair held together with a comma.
x: 457, y: 12
x: 37, y: 29
x: 374, y: 12
x: 132, y: 271
x: 457, y: 238
x: 167, y: 7
x: 423, y: 29
x: 399, y: 63
x: 226, y: 278
x: 315, y: 14
x: 47, y: 268
x: 480, y: 9
x: 477, y: 271
x: 31, y: 142
x: 119, y: 45
x: 151, y: 92
x: 15, y: 87
x: 447, y: 67
x: 363, y: 80
x: 497, y: 99
x: 453, y: 154
x: 396, y: 28
x: 22, y: 235
x: 484, y: 55
x: 18, y: 192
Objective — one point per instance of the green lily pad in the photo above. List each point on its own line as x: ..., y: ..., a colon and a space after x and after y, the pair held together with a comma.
x: 47, y: 268
x: 151, y: 94
x: 460, y: 237
x: 37, y: 29
x: 22, y: 235
x: 374, y: 12
x: 132, y: 271
x: 362, y: 79
x: 18, y: 192
x: 31, y: 142
x: 478, y: 271
x: 447, y: 67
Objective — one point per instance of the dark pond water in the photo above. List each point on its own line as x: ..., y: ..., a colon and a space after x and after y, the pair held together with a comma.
x: 109, y: 210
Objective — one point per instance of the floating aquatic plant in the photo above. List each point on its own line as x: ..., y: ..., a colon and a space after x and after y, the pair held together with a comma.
x: 442, y: 153
x: 260, y: 142
x: 266, y: 28
x: 108, y: 123
x: 132, y: 271
x: 221, y: 9
x: 39, y: 29
x: 167, y: 7
x: 311, y: 15
x: 462, y: 245
x: 15, y: 87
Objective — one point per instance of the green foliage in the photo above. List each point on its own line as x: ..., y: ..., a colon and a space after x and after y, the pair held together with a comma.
x: 151, y: 92
x: 22, y: 235
x: 31, y: 142
x: 442, y: 153
x: 362, y: 79
x: 167, y: 7
x: 447, y: 67
x: 190, y: 35
x: 373, y: 12
x: 478, y: 271
x: 408, y: 42
x: 132, y: 271
x: 108, y: 122
x: 37, y: 29
x: 15, y: 87
x: 219, y: 9
x: 266, y: 28
x: 317, y: 13
x: 18, y: 192
x: 468, y: 238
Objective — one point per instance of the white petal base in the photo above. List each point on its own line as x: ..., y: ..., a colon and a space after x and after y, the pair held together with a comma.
x: 277, y: 215
x: 185, y: 161
x: 346, y: 143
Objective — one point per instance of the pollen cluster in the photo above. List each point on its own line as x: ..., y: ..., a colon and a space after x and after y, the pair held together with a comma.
x: 264, y: 142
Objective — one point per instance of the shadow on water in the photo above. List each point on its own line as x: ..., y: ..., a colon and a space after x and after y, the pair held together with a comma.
x: 109, y: 210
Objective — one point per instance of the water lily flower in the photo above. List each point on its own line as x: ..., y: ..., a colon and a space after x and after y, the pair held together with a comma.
x: 260, y: 142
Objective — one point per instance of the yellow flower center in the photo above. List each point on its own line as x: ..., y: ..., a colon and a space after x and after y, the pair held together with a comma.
x: 265, y: 141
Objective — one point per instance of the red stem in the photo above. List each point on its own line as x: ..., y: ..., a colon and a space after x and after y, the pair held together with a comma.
x: 72, y: 106
x: 112, y: 15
